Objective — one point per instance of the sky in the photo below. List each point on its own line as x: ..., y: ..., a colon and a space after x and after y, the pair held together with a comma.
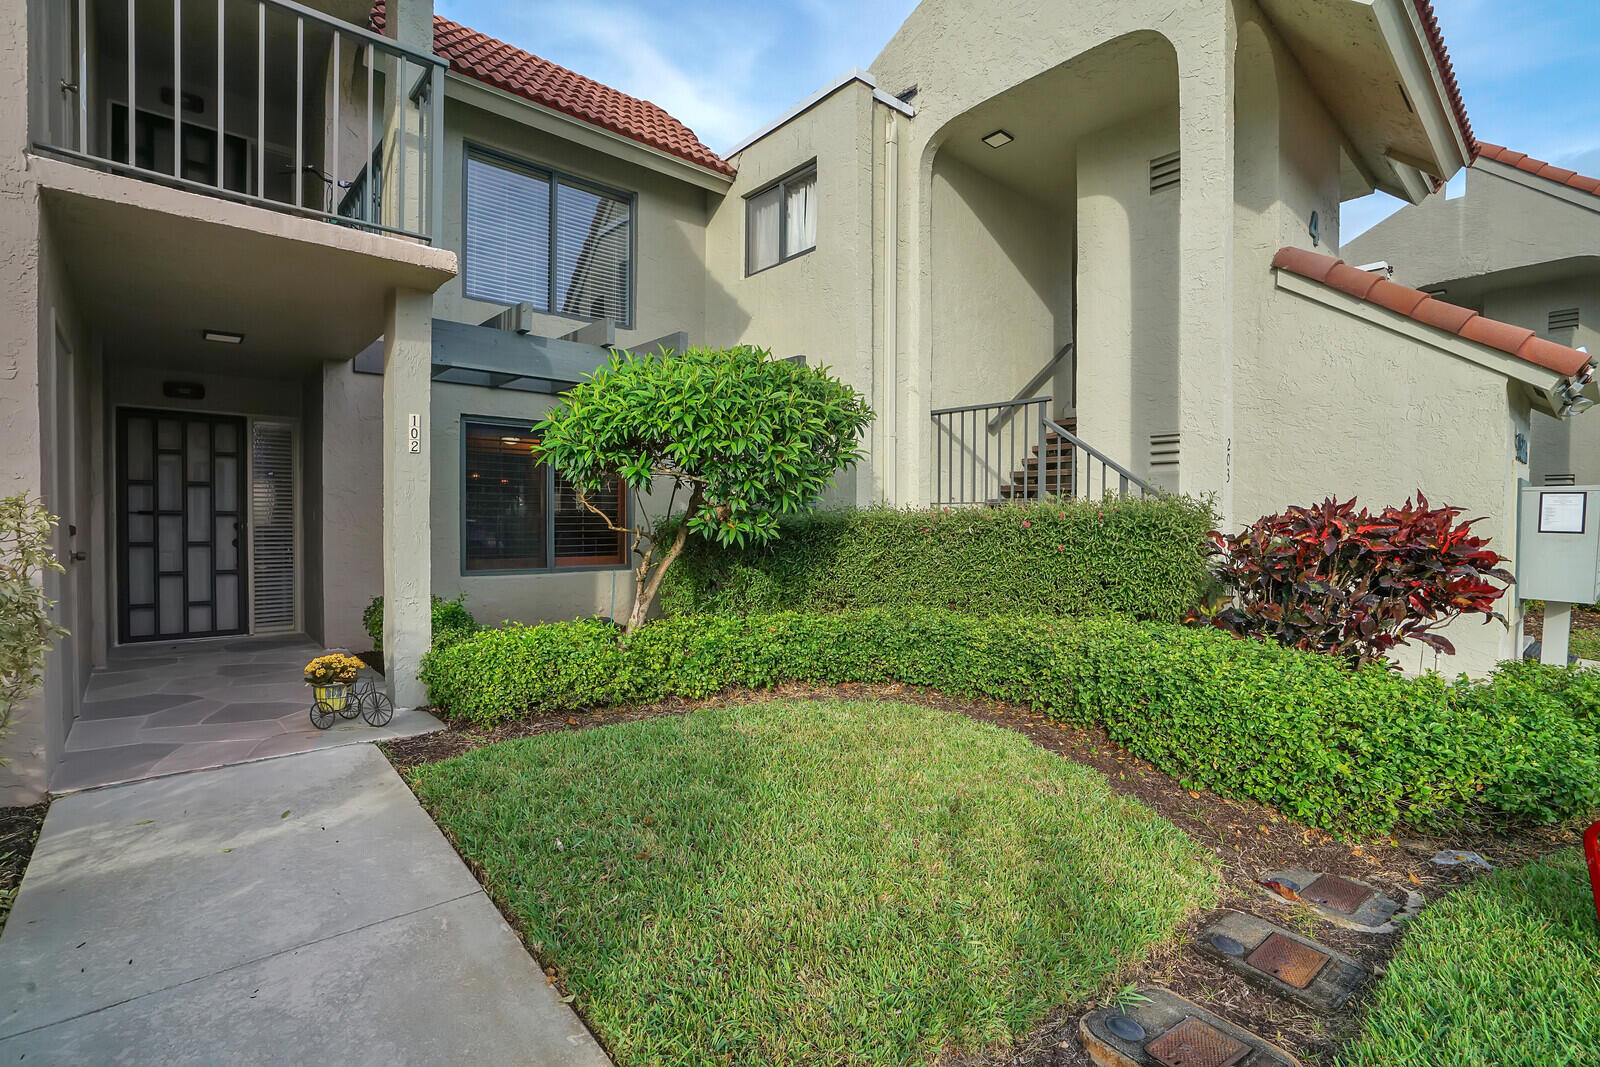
x: 726, y: 68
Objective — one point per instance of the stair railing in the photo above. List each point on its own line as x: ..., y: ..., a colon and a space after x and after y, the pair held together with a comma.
x: 1079, y: 481
x: 978, y: 448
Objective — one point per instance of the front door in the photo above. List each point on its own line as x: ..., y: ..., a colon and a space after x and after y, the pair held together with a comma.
x: 180, y: 515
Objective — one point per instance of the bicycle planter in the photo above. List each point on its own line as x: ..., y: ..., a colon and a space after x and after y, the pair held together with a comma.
x: 365, y: 699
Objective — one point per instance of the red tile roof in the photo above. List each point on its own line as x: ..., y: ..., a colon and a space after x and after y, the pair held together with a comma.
x: 1465, y: 323
x: 504, y: 66
x: 1523, y: 161
x: 1447, y: 69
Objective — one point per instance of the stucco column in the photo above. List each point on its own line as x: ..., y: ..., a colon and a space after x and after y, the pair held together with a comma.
x: 1205, y: 264
x: 407, y: 578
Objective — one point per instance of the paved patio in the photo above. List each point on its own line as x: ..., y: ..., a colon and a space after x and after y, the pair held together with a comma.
x: 165, y: 708
x: 290, y: 911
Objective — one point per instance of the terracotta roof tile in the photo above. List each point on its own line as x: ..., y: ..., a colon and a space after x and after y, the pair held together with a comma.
x: 504, y: 66
x: 1417, y: 305
x: 1447, y: 69
x: 1538, y: 168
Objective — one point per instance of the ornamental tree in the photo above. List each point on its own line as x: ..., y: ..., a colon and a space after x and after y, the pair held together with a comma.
x: 741, y: 437
x: 1336, y: 579
x: 26, y: 628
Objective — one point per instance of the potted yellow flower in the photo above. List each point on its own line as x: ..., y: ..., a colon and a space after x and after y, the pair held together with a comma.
x: 331, y: 677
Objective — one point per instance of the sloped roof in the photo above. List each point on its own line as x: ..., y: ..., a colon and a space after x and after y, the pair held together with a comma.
x: 493, y: 62
x: 1431, y: 311
x: 1539, y: 168
x: 1447, y: 69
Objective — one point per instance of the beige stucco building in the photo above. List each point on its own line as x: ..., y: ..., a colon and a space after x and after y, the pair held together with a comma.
x: 278, y: 347
x: 1521, y: 244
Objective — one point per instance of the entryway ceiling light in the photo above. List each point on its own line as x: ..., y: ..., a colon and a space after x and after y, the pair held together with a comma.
x: 223, y: 337
x: 998, y: 139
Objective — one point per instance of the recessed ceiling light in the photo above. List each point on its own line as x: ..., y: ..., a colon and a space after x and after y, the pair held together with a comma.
x: 998, y: 139
x: 223, y: 337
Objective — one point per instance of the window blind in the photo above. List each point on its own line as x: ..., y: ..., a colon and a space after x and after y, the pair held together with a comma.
x: 507, y: 254
x: 582, y: 538
x: 594, y: 244
x: 503, y: 500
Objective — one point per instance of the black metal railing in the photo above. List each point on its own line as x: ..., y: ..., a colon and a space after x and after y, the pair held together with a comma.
x: 266, y: 102
x: 1014, y: 451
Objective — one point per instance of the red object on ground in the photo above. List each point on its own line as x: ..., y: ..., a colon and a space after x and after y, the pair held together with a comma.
x: 1591, y: 851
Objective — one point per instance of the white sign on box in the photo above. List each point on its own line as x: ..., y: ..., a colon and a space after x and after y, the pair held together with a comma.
x: 1562, y: 512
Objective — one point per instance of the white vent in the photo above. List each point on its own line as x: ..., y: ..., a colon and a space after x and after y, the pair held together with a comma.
x: 273, y: 515
x: 1565, y: 319
x: 1163, y: 173
x: 1163, y: 450
x: 1560, y: 479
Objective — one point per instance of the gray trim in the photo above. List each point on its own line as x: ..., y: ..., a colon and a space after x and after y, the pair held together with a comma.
x: 502, y: 357
x: 523, y: 427
x: 554, y: 177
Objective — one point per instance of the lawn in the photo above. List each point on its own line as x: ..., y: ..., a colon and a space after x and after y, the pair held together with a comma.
x: 1505, y: 972
x: 808, y: 881
x: 1585, y: 644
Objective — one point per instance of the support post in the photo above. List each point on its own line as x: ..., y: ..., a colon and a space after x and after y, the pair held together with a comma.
x: 407, y: 540
x: 1557, y: 629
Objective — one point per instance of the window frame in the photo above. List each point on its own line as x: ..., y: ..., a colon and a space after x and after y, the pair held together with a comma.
x: 554, y: 177
x: 522, y: 427
x: 804, y: 170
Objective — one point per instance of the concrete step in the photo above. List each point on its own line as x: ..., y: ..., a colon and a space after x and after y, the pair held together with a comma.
x: 1281, y: 961
x: 1165, y: 1030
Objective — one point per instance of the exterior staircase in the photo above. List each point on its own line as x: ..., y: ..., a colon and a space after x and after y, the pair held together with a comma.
x: 1054, y: 465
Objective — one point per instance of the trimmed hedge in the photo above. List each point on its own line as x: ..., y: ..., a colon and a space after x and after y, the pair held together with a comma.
x: 1355, y: 752
x: 1144, y: 558
x: 451, y: 620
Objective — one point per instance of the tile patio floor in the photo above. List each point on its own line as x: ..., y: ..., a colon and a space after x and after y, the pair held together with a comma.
x: 165, y: 708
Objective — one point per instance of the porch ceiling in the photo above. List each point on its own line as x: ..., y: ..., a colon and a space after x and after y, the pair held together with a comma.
x: 153, y: 267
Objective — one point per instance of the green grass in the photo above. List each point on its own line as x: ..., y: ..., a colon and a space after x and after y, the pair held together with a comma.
x: 815, y: 882
x: 1504, y: 973
x: 1585, y: 644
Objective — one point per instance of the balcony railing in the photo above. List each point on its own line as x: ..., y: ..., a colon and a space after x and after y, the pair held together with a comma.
x: 265, y: 102
x: 1014, y: 450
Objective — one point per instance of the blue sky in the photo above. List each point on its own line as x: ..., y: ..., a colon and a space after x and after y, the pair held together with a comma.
x: 726, y: 67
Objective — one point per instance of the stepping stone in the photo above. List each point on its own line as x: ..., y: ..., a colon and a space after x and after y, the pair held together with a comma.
x: 1346, y: 902
x: 1165, y: 1030
x: 1281, y: 961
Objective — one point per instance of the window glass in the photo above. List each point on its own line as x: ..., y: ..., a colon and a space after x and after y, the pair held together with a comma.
x: 800, y: 214
x: 594, y: 244
x: 503, y: 500
x: 583, y: 539
x: 507, y: 255
x: 762, y: 229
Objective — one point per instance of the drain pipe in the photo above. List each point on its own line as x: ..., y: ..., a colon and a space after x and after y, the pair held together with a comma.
x: 891, y: 251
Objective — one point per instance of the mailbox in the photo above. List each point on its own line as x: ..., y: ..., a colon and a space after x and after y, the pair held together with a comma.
x: 1558, y: 544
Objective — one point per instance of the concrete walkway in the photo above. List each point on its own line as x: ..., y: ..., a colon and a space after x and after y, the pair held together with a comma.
x: 169, y: 707
x: 288, y: 911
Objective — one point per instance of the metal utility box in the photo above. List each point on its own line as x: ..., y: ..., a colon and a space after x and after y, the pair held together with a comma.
x: 1558, y: 544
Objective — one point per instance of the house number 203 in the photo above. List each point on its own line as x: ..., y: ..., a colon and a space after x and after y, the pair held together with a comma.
x: 414, y: 437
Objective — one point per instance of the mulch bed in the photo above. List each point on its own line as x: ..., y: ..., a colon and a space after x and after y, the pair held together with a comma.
x: 19, y: 829
x: 1582, y: 619
x: 1248, y: 839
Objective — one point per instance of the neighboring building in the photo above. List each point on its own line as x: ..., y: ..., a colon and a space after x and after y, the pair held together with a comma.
x: 1521, y: 244
x: 276, y: 345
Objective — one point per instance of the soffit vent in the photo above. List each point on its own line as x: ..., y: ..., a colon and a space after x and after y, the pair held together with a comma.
x: 1163, y: 450
x: 1564, y: 319
x: 1163, y: 173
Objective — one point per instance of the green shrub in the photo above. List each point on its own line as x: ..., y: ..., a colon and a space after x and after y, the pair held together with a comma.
x: 1353, y: 751
x: 26, y: 628
x: 451, y: 621
x: 1144, y: 558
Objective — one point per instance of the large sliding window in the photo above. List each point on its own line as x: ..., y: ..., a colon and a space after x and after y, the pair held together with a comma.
x: 519, y: 515
x: 547, y: 239
x: 780, y: 222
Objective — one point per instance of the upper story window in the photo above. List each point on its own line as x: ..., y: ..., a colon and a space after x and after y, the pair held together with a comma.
x: 780, y: 222
x: 556, y: 242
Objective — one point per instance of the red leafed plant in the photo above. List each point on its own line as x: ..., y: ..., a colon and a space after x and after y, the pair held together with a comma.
x: 1336, y: 579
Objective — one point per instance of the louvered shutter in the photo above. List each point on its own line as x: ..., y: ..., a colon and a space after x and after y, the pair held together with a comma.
x: 272, y: 526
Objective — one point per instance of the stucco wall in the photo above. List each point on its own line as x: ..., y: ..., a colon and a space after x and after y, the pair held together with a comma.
x: 819, y: 304
x: 669, y: 227
x: 1127, y: 280
x: 1315, y: 427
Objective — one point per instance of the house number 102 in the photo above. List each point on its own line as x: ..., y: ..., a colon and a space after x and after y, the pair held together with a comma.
x: 415, y: 436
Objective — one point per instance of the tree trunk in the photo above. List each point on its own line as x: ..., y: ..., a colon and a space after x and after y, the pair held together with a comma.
x: 645, y: 589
